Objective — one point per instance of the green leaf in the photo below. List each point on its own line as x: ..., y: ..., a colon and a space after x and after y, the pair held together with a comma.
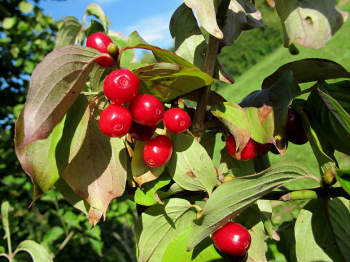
x: 25, y: 7
x: 232, y: 197
x: 141, y: 172
x: 343, y: 177
x: 69, y: 32
x: 159, y: 225
x: 331, y: 116
x: 96, y: 11
x: 35, y: 250
x: 98, y: 76
x: 236, y: 120
x: 44, y: 160
x: 98, y: 171
x: 279, y: 96
x: 9, y: 22
x: 261, y: 124
x: 53, y: 234
x: 205, y: 251
x: 241, y: 15
x: 55, y: 85
x: 94, y: 27
x: 167, y: 81
x: 190, y: 43
x: 206, y: 13
x: 252, y: 219
x: 308, y: 70
x: 310, y: 23
x: 93, y: 215
x: 340, y: 92
x: 162, y: 55
x: 190, y: 165
x: 146, y: 195
x: 322, y: 231
x: 7, y: 212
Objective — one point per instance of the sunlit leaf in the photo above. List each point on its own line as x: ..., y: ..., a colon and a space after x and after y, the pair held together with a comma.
x: 167, y: 81
x: 141, y: 172
x: 322, y: 231
x: 55, y: 85
x: 310, y: 23
x: 35, y: 250
x: 69, y: 32
x: 159, y: 225
x: 96, y: 11
x: 44, y: 160
x: 206, y: 13
x: 190, y: 165
x: 98, y: 171
x: 25, y: 7
x: 234, y: 196
x: 190, y: 43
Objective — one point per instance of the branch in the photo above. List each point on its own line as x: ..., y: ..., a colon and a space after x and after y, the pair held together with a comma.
x: 198, y: 126
x: 306, y: 194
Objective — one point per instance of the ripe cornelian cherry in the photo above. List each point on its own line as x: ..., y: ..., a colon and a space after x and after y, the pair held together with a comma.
x: 121, y: 86
x: 262, y: 149
x: 232, y: 239
x: 176, y: 120
x: 146, y: 110
x: 100, y: 42
x: 157, y: 151
x: 141, y: 132
x: 248, y: 151
x: 115, y: 121
x: 293, y: 120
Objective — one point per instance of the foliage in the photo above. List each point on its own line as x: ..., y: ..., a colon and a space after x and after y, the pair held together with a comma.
x: 187, y: 199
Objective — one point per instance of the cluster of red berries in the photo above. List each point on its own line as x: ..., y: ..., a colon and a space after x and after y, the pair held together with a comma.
x: 136, y: 114
x: 295, y: 133
x: 232, y: 239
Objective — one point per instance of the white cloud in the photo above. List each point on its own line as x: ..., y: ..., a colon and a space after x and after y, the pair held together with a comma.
x: 155, y: 30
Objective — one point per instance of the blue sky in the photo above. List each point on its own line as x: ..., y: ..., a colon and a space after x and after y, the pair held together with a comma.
x: 149, y: 17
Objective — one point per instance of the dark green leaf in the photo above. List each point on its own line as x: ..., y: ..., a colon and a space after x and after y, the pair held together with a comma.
x: 167, y: 81
x: 232, y: 197
x: 190, y: 165
x: 332, y: 117
x: 94, y: 27
x: 308, y: 70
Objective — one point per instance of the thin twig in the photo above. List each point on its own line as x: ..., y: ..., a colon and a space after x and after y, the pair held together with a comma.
x: 127, y: 249
x: 64, y: 243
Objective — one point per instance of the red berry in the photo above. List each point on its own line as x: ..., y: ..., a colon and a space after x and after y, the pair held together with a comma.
x: 176, y: 120
x: 232, y: 239
x: 115, y: 121
x: 262, y: 149
x: 100, y: 42
x: 146, y: 110
x: 157, y: 151
x: 248, y: 151
x: 141, y: 132
x: 121, y: 86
